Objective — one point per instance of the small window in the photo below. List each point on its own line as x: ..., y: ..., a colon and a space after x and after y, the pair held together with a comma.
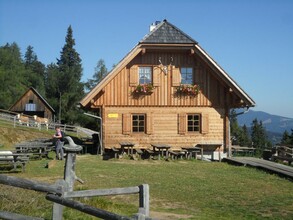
x: 138, y: 122
x: 193, y: 123
x: 186, y: 75
x: 30, y: 107
x: 145, y: 75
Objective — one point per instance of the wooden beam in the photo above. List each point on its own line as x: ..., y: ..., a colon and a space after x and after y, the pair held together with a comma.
x: 191, y: 52
x: 10, y: 215
x: 102, y: 192
x: 85, y: 208
x: 30, y: 184
x: 143, y: 51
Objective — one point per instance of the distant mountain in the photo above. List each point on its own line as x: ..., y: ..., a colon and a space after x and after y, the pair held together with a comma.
x: 275, y: 125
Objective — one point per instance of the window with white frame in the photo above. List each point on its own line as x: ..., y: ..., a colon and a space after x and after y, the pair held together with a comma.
x: 186, y: 75
x: 145, y: 75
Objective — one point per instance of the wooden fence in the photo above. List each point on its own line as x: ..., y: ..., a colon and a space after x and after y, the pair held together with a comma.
x: 12, y: 118
x: 61, y: 192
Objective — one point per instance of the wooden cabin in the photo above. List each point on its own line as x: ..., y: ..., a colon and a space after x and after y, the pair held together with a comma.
x: 167, y: 90
x: 32, y: 103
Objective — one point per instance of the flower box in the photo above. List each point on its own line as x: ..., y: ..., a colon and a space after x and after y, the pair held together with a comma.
x: 143, y: 89
x: 186, y: 89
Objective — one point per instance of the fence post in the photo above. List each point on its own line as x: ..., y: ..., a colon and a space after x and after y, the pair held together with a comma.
x: 144, y: 200
x: 14, y: 121
x: 57, y: 208
x: 69, y: 174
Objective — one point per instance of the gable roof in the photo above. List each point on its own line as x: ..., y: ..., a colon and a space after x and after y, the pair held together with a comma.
x: 38, y: 95
x: 166, y: 33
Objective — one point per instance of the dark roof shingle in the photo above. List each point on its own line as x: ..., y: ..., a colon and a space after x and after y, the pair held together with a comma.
x: 166, y: 33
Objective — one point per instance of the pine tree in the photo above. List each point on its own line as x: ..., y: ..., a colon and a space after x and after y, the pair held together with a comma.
x: 286, y: 138
x: 234, y: 128
x: 12, y: 75
x: 35, y: 73
x: 258, y: 137
x: 100, y: 72
x: 69, y: 86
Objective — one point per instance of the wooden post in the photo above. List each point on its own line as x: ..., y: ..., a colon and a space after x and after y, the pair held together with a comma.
x: 69, y: 174
x: 144, y: 200
x: 58, y: 209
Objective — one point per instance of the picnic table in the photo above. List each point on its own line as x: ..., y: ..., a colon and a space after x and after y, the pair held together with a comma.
x: 127, y: 145
x: 86, y: 146
x: 35, y: 148
x: 192, y: 151
x: 214, y: 146
x: 8, y: 157
x: 161, y: 148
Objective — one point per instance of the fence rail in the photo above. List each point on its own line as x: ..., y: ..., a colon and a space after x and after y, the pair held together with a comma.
x: 62, y: 191
x: 11, y: 118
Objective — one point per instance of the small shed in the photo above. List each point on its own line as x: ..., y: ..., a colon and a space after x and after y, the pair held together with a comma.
x: 32, y: 103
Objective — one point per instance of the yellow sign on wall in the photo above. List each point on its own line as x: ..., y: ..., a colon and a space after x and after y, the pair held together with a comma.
x: 113, y: 115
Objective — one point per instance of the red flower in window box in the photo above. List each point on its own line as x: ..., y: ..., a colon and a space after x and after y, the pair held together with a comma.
x: 186, y: 89
x: 144, y: 88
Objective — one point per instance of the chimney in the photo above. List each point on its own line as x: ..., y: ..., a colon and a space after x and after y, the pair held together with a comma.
x: 154, y: 25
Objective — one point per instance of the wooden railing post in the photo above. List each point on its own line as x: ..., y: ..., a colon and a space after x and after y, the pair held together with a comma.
x: 69, y: 174
x: 144, y: 200
x: 57, y: 208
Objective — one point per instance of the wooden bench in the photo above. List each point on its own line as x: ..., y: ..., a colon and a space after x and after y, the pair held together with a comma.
x: 15, y: 159
x: 116, y: 152
x: 177, y: 153
x: 242, y: 151
x: 147, y: 153
x: 139, y: 152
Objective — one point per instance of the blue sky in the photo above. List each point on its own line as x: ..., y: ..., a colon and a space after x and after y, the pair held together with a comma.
x: 252, y: 40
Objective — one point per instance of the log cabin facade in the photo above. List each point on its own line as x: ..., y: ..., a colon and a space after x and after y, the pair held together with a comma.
x: 32, y: 103
x: 167, y: 89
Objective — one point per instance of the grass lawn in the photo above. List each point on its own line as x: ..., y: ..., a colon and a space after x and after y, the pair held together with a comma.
x: 178, y: 189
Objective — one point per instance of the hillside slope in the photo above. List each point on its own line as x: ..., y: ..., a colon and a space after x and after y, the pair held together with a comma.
x: 9, y: 136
